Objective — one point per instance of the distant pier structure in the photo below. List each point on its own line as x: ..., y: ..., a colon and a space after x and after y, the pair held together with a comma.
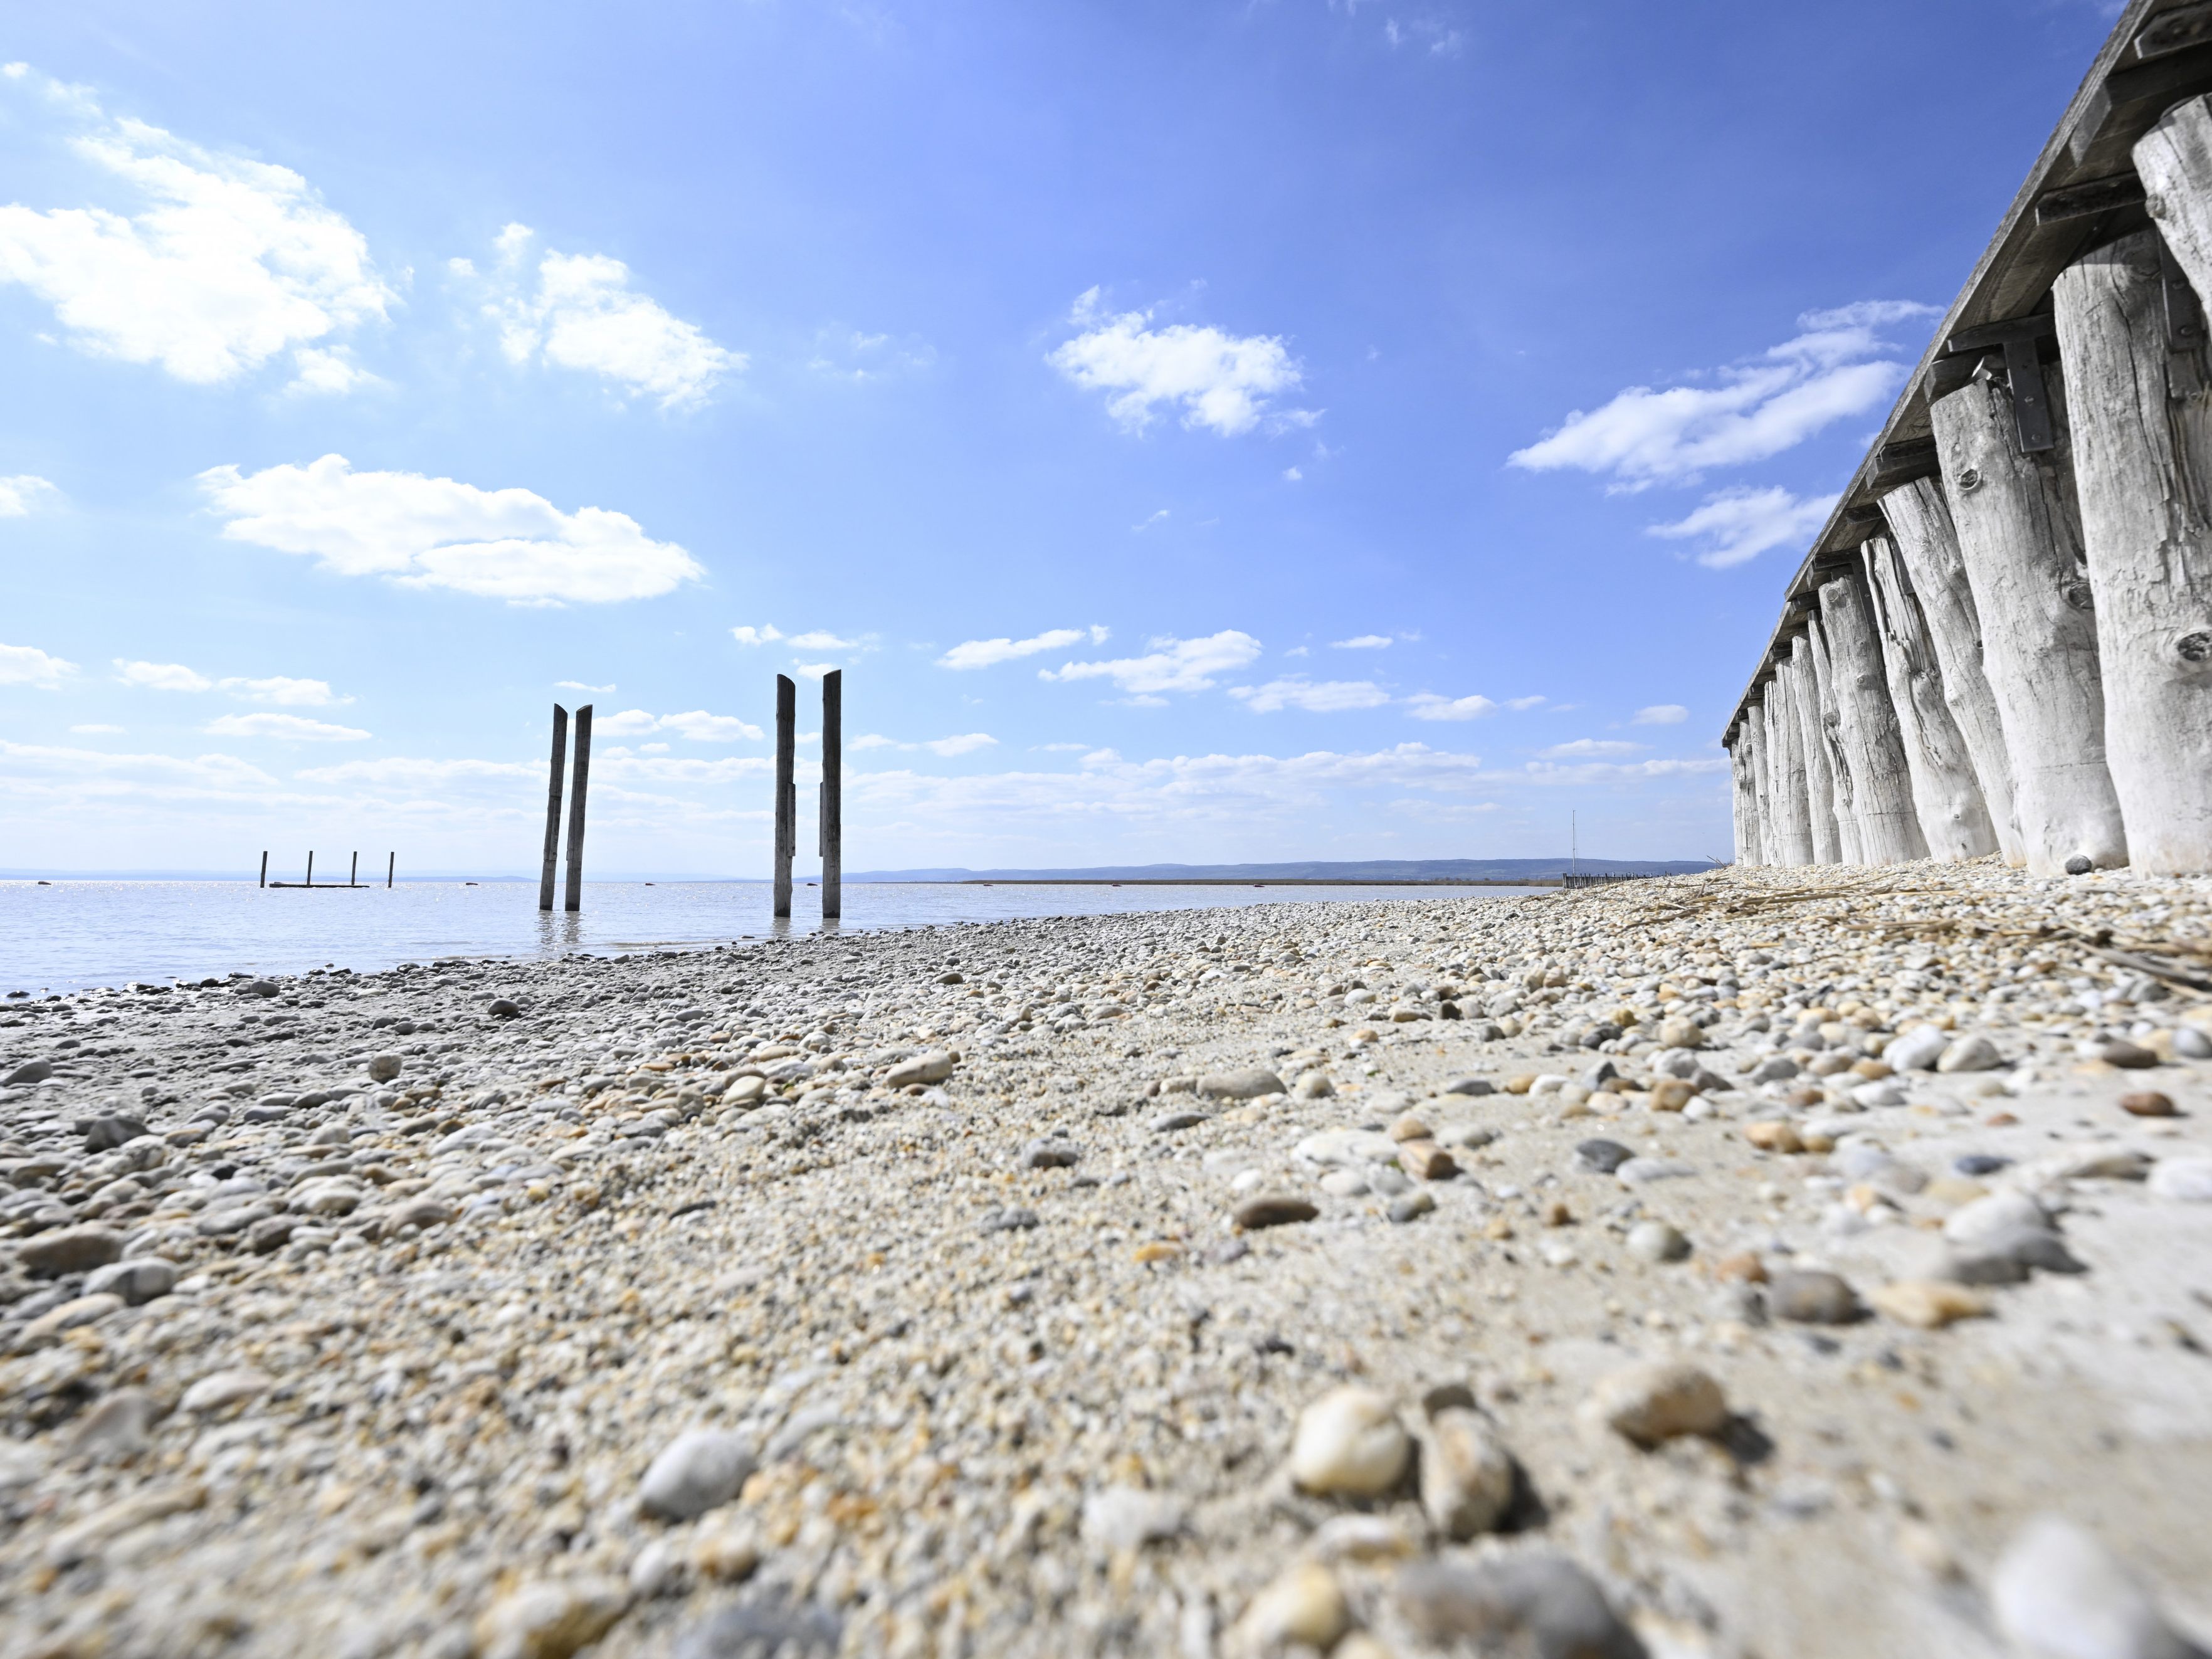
x: 829, y: 799
x: 2001, y: 641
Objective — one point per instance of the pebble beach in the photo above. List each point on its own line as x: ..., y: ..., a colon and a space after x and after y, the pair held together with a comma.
x: 1811, y: 1262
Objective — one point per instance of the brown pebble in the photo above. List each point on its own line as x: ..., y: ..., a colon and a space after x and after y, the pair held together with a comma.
x: 1999, y: 1120
x: 1743, y: 1268
x: 1498, y: 1227
x: 1556, y: 1214
x: 1425, y: 1160
x: 1873, y: 1069
x: 1812, y: 1297
x: 2148, y: 1102
x: 1774, y: 1136
x: 1273, y: 1210
x: 1409, y: 1128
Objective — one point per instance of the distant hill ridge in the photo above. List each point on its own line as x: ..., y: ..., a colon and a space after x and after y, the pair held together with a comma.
x: 1356, y: 870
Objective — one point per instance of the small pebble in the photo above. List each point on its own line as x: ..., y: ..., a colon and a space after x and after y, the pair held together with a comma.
x: 699, y: 1470
x: 1466, y: 1474
x: 1811, y: 1298
x: 1303, y: 1609
x: 2059, y: 1594
x: 1530, y: 1603
x: 2148, y: 1102
x: 1656, y: 1401
x: 1929, y: 1303
x: 1349, y: 1443
x: 1273, y: 1210
x: 1657, y: 1241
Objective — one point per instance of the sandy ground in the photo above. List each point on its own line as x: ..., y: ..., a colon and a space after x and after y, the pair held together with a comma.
x: 1281, y: 1280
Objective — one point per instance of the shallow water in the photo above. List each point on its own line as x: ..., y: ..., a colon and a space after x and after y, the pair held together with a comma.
x: 77, y: 933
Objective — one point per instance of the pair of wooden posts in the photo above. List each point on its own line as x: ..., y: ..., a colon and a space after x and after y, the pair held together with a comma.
x: 830, y: 813
x: 2017, y: 656
x: 574, y: 897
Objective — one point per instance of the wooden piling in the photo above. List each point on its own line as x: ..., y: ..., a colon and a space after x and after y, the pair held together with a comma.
x: 1874, y: 746
x: 2175, y: 161
x: 1945, y: 794
x: 2020, y: 543
x: 311, y: 869
x: 1921, y: 532
x: 1747, y: 801
x: 1850, y: 849
x: 265, y: 869
x: 2139, y: 397
x: 1819, y: 782
x: 553, y: 807
x: 786, y: 799
x: 390, y: 866
x: 1762, y: 783
x: 573, y: 900
x: 1793, y: 819
x: 353, y: 871
x: 830, y: 815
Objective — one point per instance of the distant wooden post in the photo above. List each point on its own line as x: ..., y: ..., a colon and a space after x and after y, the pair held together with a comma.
x: 1874, y: 747
x: 1762, y: 784
x: 1945, y: 793
x: 787, y: 799
x: 1828, y: 710
x: 553, y: 807
x: 391, y: 865
x: 311, y: 869
x: 2139, y: 397
x: 353, y: 871
x: 831, y: 813
x: 265, y: 869
x: 2020, y: 542
x: 575, y: 900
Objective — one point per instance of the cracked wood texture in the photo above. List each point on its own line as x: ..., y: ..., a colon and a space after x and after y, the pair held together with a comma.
x: 2021, y: 541
x: 1873, y: 741
x: 1921, y: 530
x: 2140, y: 401
x: 1762, y: 781
x: 1793, y: 823
x: 1820, y: 784
x: 1747, y: 804
x: 1945, y: 792
x: 1830, y: 715
x: 2175, y: 161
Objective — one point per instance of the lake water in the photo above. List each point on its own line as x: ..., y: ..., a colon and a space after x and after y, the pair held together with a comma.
x: 78, y: 933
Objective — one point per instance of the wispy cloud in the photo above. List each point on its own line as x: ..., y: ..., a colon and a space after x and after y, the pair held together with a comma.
x: 966, y: 744
x: 1521, y: 705
x: 436, y: 532
x: 698, y: 725
x: 1223, y: 382
x: 1433, y: 706
x: 279, y: 689
x: 766, y: 634
x: 1315, y: 697
x: 1591, y: 748
x: 26, y: 665
x: 1171, y: 664
x: 1839, y: 366
x: 161, y: 676
x: 290, y: 728
x: 1660, y: 713
x: 986, y: 654
x: 1739, y: 525
x: 1362, y: 643
x: 25, y: 494
x: 578, y: 685
x: 821, y: 640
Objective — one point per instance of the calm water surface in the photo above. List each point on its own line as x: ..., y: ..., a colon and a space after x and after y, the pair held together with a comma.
x: 77, y: 933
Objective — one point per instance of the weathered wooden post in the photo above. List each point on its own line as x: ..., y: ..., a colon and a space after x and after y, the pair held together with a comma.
x: 574, y: 899
x: 1945, y: 794
x: 787, y: 799
x: 2139, y: 397
x: 353, y: 871
x: 2020, y: 544
x: 265, y: 869
x: 830, y: 814
x: 1848, y: 846
x: 1762, y: 781
x: 390, y: 866
x: 311, y: 869
x: 1746, y: 806
x: 553, y: 808
x: 2175, y: 161
x: 1819, y: 782
x: 1921, y: 532
x: 1874, y: 747
x: 1795, y: 821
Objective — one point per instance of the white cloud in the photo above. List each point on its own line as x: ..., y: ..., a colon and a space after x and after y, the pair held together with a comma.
x: 292, y: 728
x: 436, y: 532
x: 1157, y: 518
x: 1660, y: 713
x: 1315, y: 697
x: 331, y: 372
x: 1521, y: 705
x: 1063, y: 748
x: 586, y: 316
x: 1429, y: 706
x: 766, y: 634
x: 966, y: 744
x: 98, y: 731
x: 1591, y: 748
x: 1291, y: 475
x: 813, y: 670
x: 821, y: 640
x: 1362, y: 642
x: 1839, y: 366
x: 1619, y: 772
x: 402, y: 771
x: 225, y: 264
x: 1739, y: 525
x: 161, y: 676
x: 23, y: 495
x: 1220, y: 382
x: 1435, y: 39
x: 26, y: 665
x: 578, y: 685
x: 985, y: 654
x: 1172, y: 664
x: 701, y: 726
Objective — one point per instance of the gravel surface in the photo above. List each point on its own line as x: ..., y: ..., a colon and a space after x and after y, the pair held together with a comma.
x: 1807, y: 1262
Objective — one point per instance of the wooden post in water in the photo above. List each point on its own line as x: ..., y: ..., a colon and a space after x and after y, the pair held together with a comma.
x: 391, y: 864
x: 787, y: 799
x: 353, y: 873
x: 2139, y: 397
x: 1874, y: 748
x: 1945, y: 794
x: 1920, y: 530
x: 573, y: 901
x: 311, y: 869
x: 2020, y: 543
x: 553, y: 808
x: 265, y: 869
x: 831, y: 813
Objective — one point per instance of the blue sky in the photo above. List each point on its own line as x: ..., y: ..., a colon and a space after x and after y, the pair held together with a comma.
x: 1200, y: 432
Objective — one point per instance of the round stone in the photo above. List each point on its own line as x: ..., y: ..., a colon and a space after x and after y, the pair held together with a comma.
x: 1349, y: 1443
x: 1656, y: 1241
x: 1811, y: 1298
x: 699, y: 1470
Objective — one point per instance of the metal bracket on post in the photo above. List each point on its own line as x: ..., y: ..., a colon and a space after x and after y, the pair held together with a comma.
x: 2184, y: 316
x: 2031, y: 398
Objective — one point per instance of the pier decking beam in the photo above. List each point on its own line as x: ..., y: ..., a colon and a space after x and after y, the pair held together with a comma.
x: 2021, y: 544
x: 1873, y: 743
x: 787, y: 799
x: 2139, y: 395
x: 553, y: 808
x: 573, y: 900
x: 1945, y: 794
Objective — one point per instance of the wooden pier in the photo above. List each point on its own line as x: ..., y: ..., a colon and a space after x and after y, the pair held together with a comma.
x: 2002, y: 639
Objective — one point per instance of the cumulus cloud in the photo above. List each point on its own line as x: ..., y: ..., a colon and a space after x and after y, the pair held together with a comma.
x: 1591, y: 748
x: 585, y: 315
x: 578, y: 685
x: 1315, y: 697
x: 766, y: 634
x: 25, y: 494
x: 332, y: 372
x: 1839, y: 366
x: 985, y: 654
x: 1430, y: 706
x: 1739, y: 524
x: 399, y: 769
x: 26, y: 665
x: 436, y: 532
x: 1171, y: 664
x: 813, y: 670
x: 279, y: 688
x: 1362, y: 642
x: 1223, y: 382
x: 161, y: 676
x: 966, y: 744
x: 1521, y: 705
x: 698, y: 725
x: 218, y: 264
x: 821, y: 639
x: 1660, y: 713
x: 292, y: 728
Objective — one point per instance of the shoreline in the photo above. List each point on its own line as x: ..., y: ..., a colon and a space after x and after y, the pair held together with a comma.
x: 1005, y: 1366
